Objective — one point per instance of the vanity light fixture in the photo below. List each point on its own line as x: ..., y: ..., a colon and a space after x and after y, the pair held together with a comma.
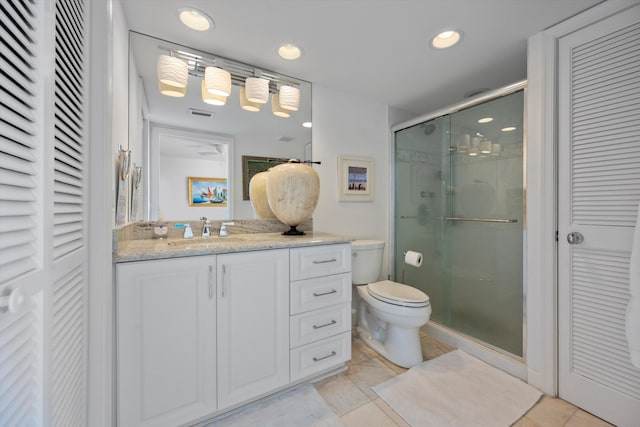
x: 485, y: 120
x: 217, y: 81
x: 172, y: 71
x: 289, y: 98
x: 508, y: 129
x: 246, y: 104
x: 446, y: 39
x: 170, y: 90
x: 211, y: 98
x: 276, y: 107
x: 195, y: 19
x: 257, y: 89
x: 289, y: 51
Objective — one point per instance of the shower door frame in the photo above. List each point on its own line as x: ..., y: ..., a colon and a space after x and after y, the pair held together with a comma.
x: 506, y: 361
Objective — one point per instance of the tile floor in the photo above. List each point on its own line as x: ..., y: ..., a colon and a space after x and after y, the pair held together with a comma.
x: 352, y: 399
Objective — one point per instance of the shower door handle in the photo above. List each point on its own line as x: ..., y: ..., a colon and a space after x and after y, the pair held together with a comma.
x: 575, y: 238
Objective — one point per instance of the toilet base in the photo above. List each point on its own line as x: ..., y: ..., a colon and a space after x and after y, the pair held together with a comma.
x: 400, y: 345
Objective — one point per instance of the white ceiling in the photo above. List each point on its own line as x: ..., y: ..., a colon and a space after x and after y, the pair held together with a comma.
x: 377, y: 49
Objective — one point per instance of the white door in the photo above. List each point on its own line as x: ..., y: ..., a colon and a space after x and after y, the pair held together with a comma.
x: 599, y: 192
x: 166, y: 341
x: 253, y: 324
x: 43, y: 220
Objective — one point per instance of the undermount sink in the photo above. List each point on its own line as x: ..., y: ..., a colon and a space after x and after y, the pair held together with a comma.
x: 205, y: 242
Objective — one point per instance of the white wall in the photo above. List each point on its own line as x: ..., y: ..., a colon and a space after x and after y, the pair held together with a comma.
x: 174, y: 192
x: 344, y: 124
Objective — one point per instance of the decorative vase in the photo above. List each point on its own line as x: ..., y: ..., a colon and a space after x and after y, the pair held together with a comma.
x: 292, y: 192
x: 258, y: 195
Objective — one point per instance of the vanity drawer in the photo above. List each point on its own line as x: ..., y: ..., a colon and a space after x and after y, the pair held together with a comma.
x: 323, y: 260
x: 316, y: 325
x: 319, y: 356
x: 311, y: 294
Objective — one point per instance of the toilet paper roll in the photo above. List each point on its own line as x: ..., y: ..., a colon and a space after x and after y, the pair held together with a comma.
x: 413, y: 258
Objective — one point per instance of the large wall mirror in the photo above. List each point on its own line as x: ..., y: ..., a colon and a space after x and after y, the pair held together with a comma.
x: 178, y: 138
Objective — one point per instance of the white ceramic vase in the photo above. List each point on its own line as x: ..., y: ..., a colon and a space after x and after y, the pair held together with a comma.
x: 258, y: 196
x: 292, y: 192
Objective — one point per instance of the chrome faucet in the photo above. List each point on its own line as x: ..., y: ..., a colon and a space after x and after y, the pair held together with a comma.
x: 206, y: 229
x: 223, y: 229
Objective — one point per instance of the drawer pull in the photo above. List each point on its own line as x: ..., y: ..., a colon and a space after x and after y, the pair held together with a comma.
x: 333, y: 291
x: 325, y: 261
x: 317, y: 359
x: 333, y: 322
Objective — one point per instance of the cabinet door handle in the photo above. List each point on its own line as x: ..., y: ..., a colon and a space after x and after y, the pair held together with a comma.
x: 224, y: 280
x: 333, y: 322
x: 325, y: 261
x: 317, y: 359
x: 333, y: 291
x: 210, y: 282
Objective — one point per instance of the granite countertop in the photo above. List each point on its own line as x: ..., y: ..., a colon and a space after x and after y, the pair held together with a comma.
x: 148, y: 249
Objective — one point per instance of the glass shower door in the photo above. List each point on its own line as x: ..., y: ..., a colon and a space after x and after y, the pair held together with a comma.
x: 459, y: 201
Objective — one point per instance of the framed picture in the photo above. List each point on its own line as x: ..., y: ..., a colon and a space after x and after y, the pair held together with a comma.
x: 208, y: 192
x: 355, y: 179
x: 252, y: 165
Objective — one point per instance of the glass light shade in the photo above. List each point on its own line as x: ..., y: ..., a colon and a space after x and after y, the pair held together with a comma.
x: 276, y: 108
x: 463, y: 145
x: 171, y: 90
x: 496, y: 149
x: 217, y: 81
x: 473, y: 151
x: 289, y: 98
x: 246, y: 104
x: 211, y: 98
x: 485, y: 147
x: 257, y: 90
x: 172, y: 71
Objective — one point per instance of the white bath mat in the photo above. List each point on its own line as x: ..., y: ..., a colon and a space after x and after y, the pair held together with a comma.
x: 457, y: 389
x: 301, y: 407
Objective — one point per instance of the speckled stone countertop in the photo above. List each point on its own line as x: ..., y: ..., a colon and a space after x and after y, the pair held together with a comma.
x: 148, y: 249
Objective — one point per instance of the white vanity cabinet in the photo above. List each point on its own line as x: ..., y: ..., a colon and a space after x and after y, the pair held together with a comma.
x: 199, y: 335
x: 253, y: 324
x: 166, y: 341
x: 320, y: 308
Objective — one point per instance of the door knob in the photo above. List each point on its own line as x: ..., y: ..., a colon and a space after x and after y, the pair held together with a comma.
x: 575, y: 238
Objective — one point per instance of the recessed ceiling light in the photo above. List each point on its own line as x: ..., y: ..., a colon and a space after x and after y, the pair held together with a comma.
x: 289, y: 51
x: 307, y: 124
x: 195, y: 19
x: 485, y: 120
x: 446, y: 39
x: 508, y: 129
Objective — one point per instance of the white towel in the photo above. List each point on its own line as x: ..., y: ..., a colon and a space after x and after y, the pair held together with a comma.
x: 633, y: 309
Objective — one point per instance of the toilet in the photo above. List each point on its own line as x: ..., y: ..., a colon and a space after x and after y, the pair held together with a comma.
x: 389, y: 313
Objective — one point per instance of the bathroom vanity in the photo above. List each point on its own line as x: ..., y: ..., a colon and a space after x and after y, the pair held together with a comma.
x: 206, y: 326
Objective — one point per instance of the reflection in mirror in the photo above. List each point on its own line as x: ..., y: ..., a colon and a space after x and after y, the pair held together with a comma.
x: 182, y: 137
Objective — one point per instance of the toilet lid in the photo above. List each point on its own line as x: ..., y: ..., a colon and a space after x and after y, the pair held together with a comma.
x: 397, y: 293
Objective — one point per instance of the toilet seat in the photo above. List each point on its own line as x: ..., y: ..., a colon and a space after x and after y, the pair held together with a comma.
x: 398, y: 294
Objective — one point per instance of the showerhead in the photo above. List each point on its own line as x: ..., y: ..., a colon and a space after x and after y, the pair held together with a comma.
x: 429, y: 128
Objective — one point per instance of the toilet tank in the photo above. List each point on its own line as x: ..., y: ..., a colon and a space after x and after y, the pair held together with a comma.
x: 366, y: 261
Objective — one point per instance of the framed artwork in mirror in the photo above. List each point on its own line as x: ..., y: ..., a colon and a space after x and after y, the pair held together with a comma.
x: 355, y: 179
x: 252, y: 165
x: 208, y: 192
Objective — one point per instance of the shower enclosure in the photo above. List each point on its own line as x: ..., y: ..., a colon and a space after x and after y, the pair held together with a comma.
x: 459, y: 199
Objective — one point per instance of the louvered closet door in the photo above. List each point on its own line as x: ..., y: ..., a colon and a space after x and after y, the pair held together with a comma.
x: 43, y: 341
x: 599, y: 192
x: 22, y: 278
x: 69, y: 291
